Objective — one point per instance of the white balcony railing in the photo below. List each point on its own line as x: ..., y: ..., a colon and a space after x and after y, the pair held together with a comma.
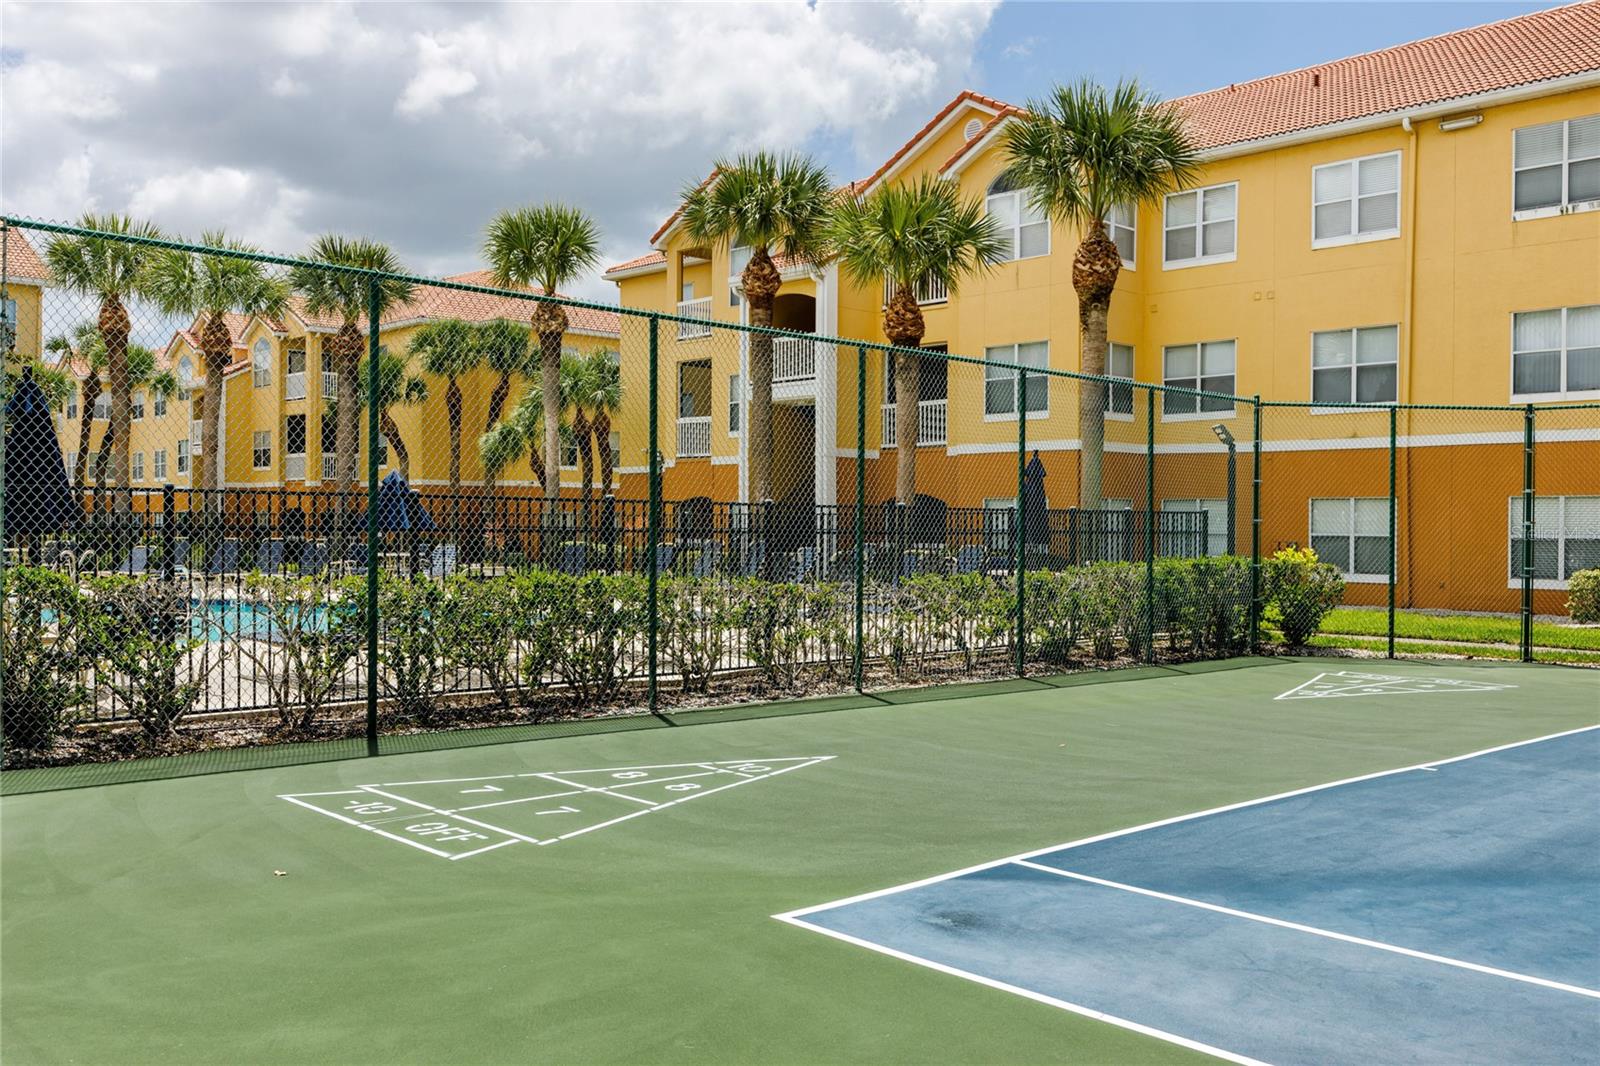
x: 932, y: 423
x: 700, y: 308
x: 329, y: 468
x: 929, y: 291
x: 694, y: 437
x: 330, y: 384
x: 794, y: 359
x: 294, y: 468
x: 294, y: 386
x: 195, y: 436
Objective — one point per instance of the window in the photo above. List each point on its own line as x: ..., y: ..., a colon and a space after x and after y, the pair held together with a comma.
x: 72, y: 402
x: 1208, y: 367
x: 738, y: 257
x: 261, y: 450
x: 615, y: 444
x: 138, y: 466
x: 688, y: 292
x: 72, y: 462
x: 183, y: 457
x: 1566, y: 538
x: 8, y: 313
x: 999, y: 518
x: 261, y: 361
x: 136, y: 412
x: 294, y: 435
x: 1201, y: 226
x: 1025, y: 227
x: 1355, y: 365
x: 383, y: 450
x: 1216, y: 512
x: 185, y: 377
x: 161, y: 404
x: 294, y: 371
x: 1556, y: 165
x: 1354, y: 536
x: 1122, y: 228
x: 1119, y: 364
x: 159, y: 462
x: 102, y: 404
x: 1556, y: 353
x: 1356, y: 200
x: 1000, y: 382
x: 735, y: 405
x: 569, y: 452
x: 330, y: 440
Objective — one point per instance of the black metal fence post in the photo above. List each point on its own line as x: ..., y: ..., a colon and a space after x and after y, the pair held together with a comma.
x: 653, y: 518
x: 1255, y: 522
x: 1394, y: 553
x: 1150, y: 526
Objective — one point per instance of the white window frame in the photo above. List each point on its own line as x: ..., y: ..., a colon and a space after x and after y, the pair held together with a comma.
x: 1218, y: 415
x: 1351, y: 576
x: 1565, y: 351
x: 1219, y: 531
x: 159, y: 405
x: 70, y: 408
x: 1355, y: 340
x: 185, y: 377
x: 261, y: 441
x: 1111, y: 371
x: 990, y: 355
x: 736, y: 405
x: 1112, y: 225
x: 158, y: 463
x: 1199, y: 259
x: 136, y: 472
x: 1020, y: 203
x: 261, y: 364
x: 102, y: 406
x: 184, y: 459
x: 136, y: 405
x: 1566, y: 206
x: 1513, y: 533
x: 1355, y: 236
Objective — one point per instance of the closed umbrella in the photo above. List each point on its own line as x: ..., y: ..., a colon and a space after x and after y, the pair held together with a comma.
x: 1035, y: 518
x: 38, y: 496
x: 400, y: 509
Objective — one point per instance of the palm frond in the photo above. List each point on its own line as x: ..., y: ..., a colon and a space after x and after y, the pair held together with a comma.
x: 762, y: 200
x: 548, y: 245
x: 908, y: 233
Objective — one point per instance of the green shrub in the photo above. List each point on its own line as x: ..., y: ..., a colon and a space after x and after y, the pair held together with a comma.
x: 412, y: 665
x: 696, y: 618
x: 773, y: 617
x: 1300, y: 592
x: 1204, y: 604
x: 42, y: 655
x: 150, y: 657
x: 1583, y: 596
x: 306, y: 653
x: 598, y: 631
x: 496, y: 631
x: 1112, y: 603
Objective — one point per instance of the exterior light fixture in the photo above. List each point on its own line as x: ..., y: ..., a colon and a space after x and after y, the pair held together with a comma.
x: 1460, y: 122
x: 1222, y: 433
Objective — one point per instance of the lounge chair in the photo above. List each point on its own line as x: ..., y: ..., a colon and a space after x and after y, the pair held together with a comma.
x: 573, y: 559
x: 804, y: 567
x: 709, y: 561
x: 225, y: 560
x: 755, y: 560
x: 442, y: 563
x: 137, y: 562
x: 313, y: 558
x: 973, y: 559
x: 269, y: 557
x: 666, y: 554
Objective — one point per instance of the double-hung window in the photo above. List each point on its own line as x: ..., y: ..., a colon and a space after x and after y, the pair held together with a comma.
x: 1024, y: 226
x: 159, y: 462
x: 1353, y: 535
x: 1355, y: 200
x: 1119, y: 397
x: 136, y: 410
x: 1208, y: 367
x: 261, y: 363
x: 735, y: 405
x: 183, y: 457
x: 1000, y: 382
x: 1556, y: 166
x: 161, y: 404
x: 138, y: 466
x: 261, y: 450
x: 1122, y: 226
x: 1355, y: 365
x: 1201, y: 226
x: 1556, y: 353
x: 1566, y: 538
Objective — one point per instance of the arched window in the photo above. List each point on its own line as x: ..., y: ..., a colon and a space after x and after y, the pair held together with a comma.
x: 1026, y: 227
x: 261, y: 362
x: 185, y: 377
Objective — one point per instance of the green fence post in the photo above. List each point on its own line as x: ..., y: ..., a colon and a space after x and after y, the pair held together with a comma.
x: 1394, y: 553
x: 1150, y: 525
x: 1020, y: 532
x: 861, y: 512
x: 1527, y: 533
x: 1255, y: 523
x: 373, y: 293
x: 653, y: 513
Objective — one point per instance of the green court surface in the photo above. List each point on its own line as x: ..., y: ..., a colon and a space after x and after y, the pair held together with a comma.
x: 575, y: 915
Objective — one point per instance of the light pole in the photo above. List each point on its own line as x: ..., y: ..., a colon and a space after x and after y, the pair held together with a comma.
x: 1233, y: 461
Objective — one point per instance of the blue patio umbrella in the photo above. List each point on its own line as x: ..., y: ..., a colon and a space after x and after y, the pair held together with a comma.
x: 399, y: 509
x: 38, y: 496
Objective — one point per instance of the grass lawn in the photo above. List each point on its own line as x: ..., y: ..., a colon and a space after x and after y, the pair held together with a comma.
x: 1480, y: 651
x: 1475, y: 629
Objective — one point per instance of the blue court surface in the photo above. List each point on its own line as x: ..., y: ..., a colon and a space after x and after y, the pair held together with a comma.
x: 1448, y: 913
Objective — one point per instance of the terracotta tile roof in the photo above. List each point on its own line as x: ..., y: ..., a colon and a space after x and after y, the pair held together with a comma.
x: 652, y: 259
x: 1501, y: 55
x: 944, y: 112
x: 1006, y: 111
x: 22, y: 261
x: 428, y: 302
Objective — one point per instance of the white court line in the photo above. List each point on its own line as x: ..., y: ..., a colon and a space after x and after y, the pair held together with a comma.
x: 861, y: 897
x: 520, y: 799
x: 675, y: 765
x: 593, y: 788
x: 1313, y: 930
x: 362, y: 825
x: 376, y: 791
x: 1026, y: 993
x: 480, y: 851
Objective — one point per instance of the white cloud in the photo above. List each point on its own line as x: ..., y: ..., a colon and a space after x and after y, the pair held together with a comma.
x: 286, y: 85
x: 251, y: 206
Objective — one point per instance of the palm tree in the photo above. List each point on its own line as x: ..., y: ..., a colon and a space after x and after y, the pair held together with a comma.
x: 519, y: 434
x: 141, y: 373
x: 548, y: 246
x: 85, y: 352
x: 397, y: 387
x: 574, y: 391
x: 764, y: 202
x: 210, y: 286
x: 505, y: 350
x: 345, y: 292
x: 596, y: 396
x: 449, y: 349
x: 1081, y: 153
x: 112, y: 271
x: 911, y: 234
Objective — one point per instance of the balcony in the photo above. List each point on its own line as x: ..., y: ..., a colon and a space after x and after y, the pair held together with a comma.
x: 694, y: 437
x: 294, y: 385
x: 929, y: 291
x: 932, y: 423
x: 195, y: 436
x: 294, y: 467
x: 700, y: 308
x: 330, y: 384
x: 793, y: 359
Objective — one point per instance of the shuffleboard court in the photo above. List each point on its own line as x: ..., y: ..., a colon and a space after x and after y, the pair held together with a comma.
x: 246, y: 917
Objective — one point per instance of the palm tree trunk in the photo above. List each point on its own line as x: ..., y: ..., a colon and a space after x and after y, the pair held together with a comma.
x: 452, y: 406
x: 761, y: 280
x: 903, y: 325
x: 91, y: 395
x: 114, y: 330
x: 216, y: 344
x: 497, y: 401
x: 581, y: 430
x: 602, y: 436
x: 549, y: 323
x: 1094, y: 276
x: 391, y: 433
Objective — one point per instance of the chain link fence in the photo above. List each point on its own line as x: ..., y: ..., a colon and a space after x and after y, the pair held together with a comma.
x: 251, y: 500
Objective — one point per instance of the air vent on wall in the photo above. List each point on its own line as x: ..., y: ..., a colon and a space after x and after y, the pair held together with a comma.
x: 973, y: 126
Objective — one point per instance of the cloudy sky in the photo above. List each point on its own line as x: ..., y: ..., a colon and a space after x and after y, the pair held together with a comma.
x: 415, y: 123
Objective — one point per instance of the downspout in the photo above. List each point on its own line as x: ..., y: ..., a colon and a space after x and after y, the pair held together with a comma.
x: 1407, y: 326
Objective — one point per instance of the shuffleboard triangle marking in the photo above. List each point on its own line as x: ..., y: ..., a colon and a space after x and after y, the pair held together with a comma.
x: 1342, y: 683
